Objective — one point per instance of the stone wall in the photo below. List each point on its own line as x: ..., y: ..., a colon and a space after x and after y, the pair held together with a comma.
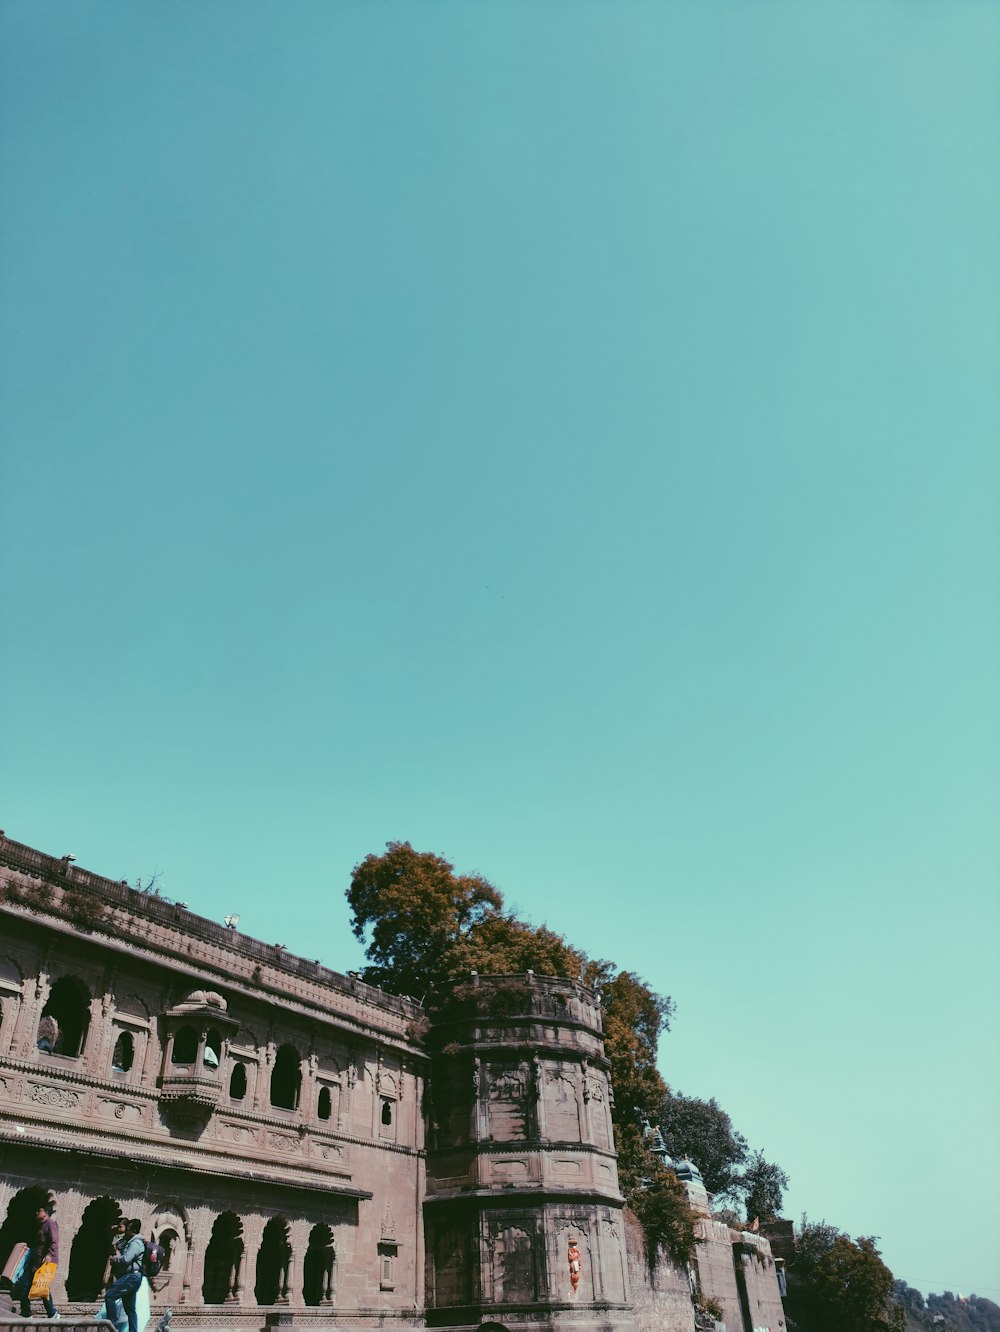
x: 661, y: 1295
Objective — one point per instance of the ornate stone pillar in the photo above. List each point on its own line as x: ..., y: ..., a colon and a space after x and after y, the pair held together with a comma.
x: 69, y: 1217
x: 90, y: 1055
x: 263, y: 1079
x: 150, y: 1055
x: 299, y: 1240
x: 194, y: 1267
x: 253, y: 1233
x: 538, y: 1076
x: 31, y: 1010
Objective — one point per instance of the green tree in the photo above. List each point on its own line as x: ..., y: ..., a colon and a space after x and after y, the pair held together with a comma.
x: 661, y: 1204
x: 412, y: 911
x: 704, y: 1132
x: 763, y: 1185
x: 836, y: 1284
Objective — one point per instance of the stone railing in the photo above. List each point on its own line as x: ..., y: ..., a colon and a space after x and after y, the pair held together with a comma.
x: 172, y: 915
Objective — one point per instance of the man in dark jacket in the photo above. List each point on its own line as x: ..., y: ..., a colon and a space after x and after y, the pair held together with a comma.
x: 45, y: 1249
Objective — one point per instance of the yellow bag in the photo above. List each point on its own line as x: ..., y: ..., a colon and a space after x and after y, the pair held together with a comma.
x: 42, y: 1282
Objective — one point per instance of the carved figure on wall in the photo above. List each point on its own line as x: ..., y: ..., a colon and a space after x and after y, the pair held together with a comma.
x: 573, y: 1259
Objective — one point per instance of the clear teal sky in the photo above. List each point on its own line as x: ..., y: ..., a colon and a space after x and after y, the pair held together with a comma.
x: 566, y: 436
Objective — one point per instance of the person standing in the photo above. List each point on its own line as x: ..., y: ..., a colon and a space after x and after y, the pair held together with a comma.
x: 40, y: 1264
x: 127, y: 1265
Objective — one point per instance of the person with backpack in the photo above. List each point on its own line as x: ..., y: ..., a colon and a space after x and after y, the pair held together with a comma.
x: 128, y: 1268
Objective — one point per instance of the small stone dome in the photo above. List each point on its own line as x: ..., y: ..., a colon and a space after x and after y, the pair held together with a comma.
x: 687, y: 1171
x: 204, y: 999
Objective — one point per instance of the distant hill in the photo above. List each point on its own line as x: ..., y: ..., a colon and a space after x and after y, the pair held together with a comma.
x: 947, y: 1312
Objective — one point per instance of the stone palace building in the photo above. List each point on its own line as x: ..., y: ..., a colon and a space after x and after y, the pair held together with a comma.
x: 306, y: 1150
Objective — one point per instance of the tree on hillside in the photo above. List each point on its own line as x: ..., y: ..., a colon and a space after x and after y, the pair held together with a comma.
x: 763, y: 1185
x: 704, y: 1132
x: 836, y: 1284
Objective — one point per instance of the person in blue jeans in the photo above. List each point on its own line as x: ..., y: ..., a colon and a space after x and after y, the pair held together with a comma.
x: 45, y: 1249
x: 127, y: 1270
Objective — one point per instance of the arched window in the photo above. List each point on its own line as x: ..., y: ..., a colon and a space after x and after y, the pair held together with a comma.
x: 387, y: 1116
x: 65, y: 1018
x: 324, y: 1107
x: 185, y: 1046
x: 166, y: 1240
x: 124, y: 1053
x: 213, y: 1049
x: 286, y: 1078
x: 238, y: 1082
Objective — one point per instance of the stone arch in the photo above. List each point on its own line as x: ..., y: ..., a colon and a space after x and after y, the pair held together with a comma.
x: 317, y: 1266
x: 600, y: 1119
x: 562, y: 1287
x: 123, y: 1055
x: 222, y: 1256
x: 169, y: 1228
x: 286, y: 1078
x: 90, y: 1251
x: 562, y: 1108
x: 185, y: 1046
x: 10, y: 974
x: 513, y: 1262
x: 507, y: 1103
x: 212, y: 1054
x: 130, y: 1005
x: 452, y: 1270
x: 65, y: 1019
x: 272, y: 1262
x: 238, y: 1081
x: 612, y: 1261
x: 19, y: 1224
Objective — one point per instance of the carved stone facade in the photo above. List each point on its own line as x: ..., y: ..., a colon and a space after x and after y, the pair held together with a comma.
x: 303, y: 1149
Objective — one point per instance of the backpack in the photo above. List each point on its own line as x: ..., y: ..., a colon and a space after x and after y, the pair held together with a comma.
x: 152, y: 1260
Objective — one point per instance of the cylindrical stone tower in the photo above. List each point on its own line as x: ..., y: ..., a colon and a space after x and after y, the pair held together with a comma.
x: 523, y: 1213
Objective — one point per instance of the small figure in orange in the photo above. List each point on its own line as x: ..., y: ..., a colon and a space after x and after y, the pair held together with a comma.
x: 573, y: 1255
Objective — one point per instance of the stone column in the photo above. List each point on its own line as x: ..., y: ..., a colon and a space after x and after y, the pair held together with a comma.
x: 263, y: 1080
x: 299, y: 1239
x: 93, y: 1043
x: 538, y: 1076
x: 31, y: 1010
x: 69, y: 1217
x: 149, y: 1057
x: 194, y: 1267
x: 253, y: 1233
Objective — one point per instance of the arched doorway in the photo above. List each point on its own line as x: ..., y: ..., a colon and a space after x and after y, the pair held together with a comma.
x: 272, y: 1262
x: 91, y: 1249
x: 225, y: 1248
x: 317, y: 1266
x: 286, y: 1078
x: 65, y: 1018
